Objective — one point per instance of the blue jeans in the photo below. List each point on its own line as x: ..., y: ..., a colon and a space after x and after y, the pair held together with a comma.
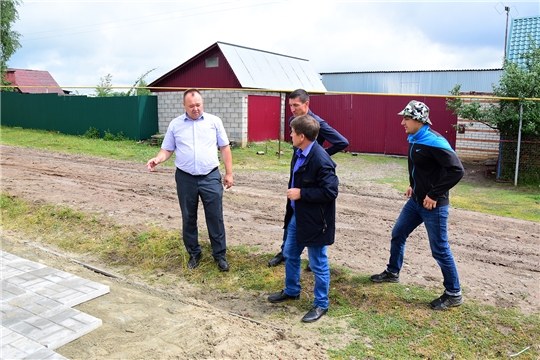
x: 318, y: 261
x: 435, y: 222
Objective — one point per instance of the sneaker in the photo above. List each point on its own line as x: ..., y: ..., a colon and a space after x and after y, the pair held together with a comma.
x: 446, y: 301
x: 385, y: 276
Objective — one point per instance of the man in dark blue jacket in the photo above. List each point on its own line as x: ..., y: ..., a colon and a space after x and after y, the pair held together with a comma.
x: 310, y: 219
x: 434, y: 169
x: 299, y: 105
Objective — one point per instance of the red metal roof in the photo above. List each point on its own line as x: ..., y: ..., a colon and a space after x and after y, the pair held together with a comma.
x: 38, y: 81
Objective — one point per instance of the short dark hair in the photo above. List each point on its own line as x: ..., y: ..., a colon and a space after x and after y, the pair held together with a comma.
x: 307, y: 125
x: 191, y: 91
x: 300, y: 93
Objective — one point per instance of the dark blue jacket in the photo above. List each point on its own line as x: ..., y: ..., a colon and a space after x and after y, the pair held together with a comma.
x: 316, y: 209
x: 337, y: 141
x: 434, y: 168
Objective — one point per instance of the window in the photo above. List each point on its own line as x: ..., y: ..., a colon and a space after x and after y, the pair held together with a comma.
x: 212, y: 62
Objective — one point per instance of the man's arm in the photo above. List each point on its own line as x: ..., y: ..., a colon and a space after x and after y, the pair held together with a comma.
x: 338, y: 142
x: 226, y: 155
x: 163, y: 155
x: 454, y: 172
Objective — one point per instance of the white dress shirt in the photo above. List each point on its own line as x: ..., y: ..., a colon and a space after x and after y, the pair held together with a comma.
x: 195, y: 142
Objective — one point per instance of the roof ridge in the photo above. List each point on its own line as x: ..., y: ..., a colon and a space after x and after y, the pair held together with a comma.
x: 264, y: 51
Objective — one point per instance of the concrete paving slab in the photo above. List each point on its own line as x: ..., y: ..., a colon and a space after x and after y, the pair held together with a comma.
x: 36, y: 308
x: 17, y: 346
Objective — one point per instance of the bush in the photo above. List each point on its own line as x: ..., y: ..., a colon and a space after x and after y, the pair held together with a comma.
x: 92, y: 133
x: 111, y: 137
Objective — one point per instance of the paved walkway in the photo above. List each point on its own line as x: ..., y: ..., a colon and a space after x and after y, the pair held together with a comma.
x: 36, y: 308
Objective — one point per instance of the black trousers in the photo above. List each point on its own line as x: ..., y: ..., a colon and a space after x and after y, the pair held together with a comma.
x: 209, y: 189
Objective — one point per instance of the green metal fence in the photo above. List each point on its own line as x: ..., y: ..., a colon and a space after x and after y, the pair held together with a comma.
x: 135, y: 116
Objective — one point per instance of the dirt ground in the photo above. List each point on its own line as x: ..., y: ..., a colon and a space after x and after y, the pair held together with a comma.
x: 498, y: 258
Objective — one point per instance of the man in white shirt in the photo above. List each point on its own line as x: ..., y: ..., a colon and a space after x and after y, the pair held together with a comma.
x: 194, y: 137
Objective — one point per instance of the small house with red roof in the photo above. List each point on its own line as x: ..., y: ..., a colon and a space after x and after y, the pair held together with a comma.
x: 33, y: 81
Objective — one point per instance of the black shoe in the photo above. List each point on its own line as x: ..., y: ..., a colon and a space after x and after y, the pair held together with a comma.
x: 314, y: 314
x: 222, y: 265
x: 385, y: 276
x: 446, y: 301
x: 308, y: 268
x: 276, y: 260
x: 194, y: 261
x: 281, y: 296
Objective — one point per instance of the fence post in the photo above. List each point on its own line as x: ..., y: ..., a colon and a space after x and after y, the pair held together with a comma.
x: 518, y: 143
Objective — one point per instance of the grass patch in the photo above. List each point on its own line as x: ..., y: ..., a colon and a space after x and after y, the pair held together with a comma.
x: 267, y: 155
x: 373, y: 168
x: 51, y: 140
x: 377, y: 321
x: 504, y: 200
x: 393, y: 321
x: 82, y: 233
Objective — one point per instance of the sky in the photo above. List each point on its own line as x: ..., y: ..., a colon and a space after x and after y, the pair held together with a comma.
x: 81, y: 42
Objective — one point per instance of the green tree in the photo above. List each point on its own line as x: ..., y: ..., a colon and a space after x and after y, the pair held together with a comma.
x: 139, y: 85
x: 105, y: 87
x: 517, y: 81
x: 140, y: 88
x: 9, y: 39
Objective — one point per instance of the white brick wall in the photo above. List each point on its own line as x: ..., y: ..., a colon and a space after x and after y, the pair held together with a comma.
x: 478, y: 143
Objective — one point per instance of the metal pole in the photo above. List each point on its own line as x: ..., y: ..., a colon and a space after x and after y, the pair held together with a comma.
x: 281, y: 122
x: 507, y: 9
x: 518, y: 143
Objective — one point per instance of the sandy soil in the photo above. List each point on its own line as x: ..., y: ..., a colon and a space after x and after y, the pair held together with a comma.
x: 498, y: 258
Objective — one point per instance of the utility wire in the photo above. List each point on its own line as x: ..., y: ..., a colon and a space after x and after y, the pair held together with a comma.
x: 113, y: 22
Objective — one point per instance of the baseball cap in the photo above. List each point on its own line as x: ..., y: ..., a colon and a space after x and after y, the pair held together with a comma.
x: 418, y: 111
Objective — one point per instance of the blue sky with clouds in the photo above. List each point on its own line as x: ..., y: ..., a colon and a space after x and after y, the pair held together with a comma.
x: 79, y: 42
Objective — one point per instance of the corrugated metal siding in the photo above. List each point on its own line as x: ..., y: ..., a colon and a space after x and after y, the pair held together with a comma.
x: 194, y: 73
x: 371, y: 123
x: 412, y: 82
x: 135, y: 116
x: 264, y: 117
